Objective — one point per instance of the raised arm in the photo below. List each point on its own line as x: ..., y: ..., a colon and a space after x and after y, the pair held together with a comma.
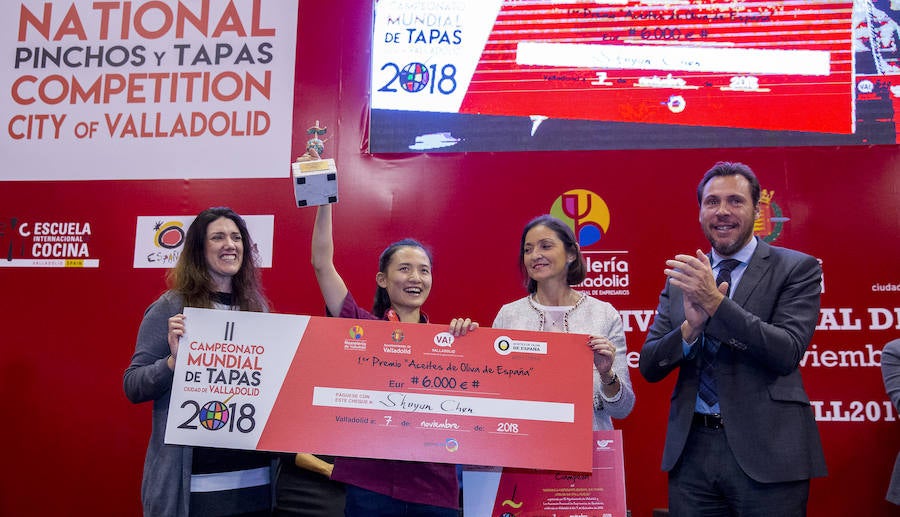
x: 330, y: 282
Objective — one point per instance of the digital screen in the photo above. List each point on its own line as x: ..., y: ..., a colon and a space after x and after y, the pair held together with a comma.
x: 494, y: 75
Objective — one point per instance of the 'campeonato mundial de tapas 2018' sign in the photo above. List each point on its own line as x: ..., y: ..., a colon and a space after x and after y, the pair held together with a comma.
x: 379, y: 389
x: 158, y: 89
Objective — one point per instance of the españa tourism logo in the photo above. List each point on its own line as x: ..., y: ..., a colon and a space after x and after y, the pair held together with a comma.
x: 169, y: 234
x: 159, y: 239
x: 587, y: 214
x: 168, y: 237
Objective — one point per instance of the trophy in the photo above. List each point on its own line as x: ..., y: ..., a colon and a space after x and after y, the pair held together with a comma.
x: 314, y: 178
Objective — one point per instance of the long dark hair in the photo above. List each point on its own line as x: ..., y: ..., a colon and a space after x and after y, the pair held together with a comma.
x: 575, y: 270
x: 190, y: 277
x: 382, y: 300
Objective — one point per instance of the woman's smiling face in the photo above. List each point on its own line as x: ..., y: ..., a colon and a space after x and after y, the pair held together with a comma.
x: 544, y: 255
x: 408, y: 278
x: 224, y: 252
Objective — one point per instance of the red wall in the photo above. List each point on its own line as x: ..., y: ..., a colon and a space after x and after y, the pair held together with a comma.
x: 76, y: 445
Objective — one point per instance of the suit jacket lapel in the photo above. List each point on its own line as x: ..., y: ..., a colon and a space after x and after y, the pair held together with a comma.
x: 756, y: 269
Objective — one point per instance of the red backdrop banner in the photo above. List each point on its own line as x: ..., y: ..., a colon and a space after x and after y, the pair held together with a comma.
x: 70, y: 331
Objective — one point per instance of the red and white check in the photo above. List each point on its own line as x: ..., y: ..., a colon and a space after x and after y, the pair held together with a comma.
x: 379, y: 389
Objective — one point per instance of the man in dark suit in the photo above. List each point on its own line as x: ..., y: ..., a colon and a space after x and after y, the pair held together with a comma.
x: 890, y: 372
x: 742, y: 438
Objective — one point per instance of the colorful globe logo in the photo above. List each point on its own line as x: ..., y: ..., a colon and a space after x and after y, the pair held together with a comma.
x: 586, y: 214
x: 214, y: 415
x: 356, y: 332
x: 414, y: 77
x: 451, y: 445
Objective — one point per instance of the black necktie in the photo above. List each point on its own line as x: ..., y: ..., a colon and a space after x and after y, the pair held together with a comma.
x: 725, y: 268
x: 707, y: 388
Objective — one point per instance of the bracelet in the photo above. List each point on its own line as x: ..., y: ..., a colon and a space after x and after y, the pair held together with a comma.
x: 615, y: 379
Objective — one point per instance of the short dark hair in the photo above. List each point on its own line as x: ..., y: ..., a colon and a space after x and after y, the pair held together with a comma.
x: 576, y: 269
x: 730, y: 169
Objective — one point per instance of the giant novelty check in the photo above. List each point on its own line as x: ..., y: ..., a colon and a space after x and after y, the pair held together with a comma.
x: 379, y: 389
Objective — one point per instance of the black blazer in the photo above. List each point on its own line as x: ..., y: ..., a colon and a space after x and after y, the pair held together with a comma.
x: 764, y: 329
x: 890, y: 371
